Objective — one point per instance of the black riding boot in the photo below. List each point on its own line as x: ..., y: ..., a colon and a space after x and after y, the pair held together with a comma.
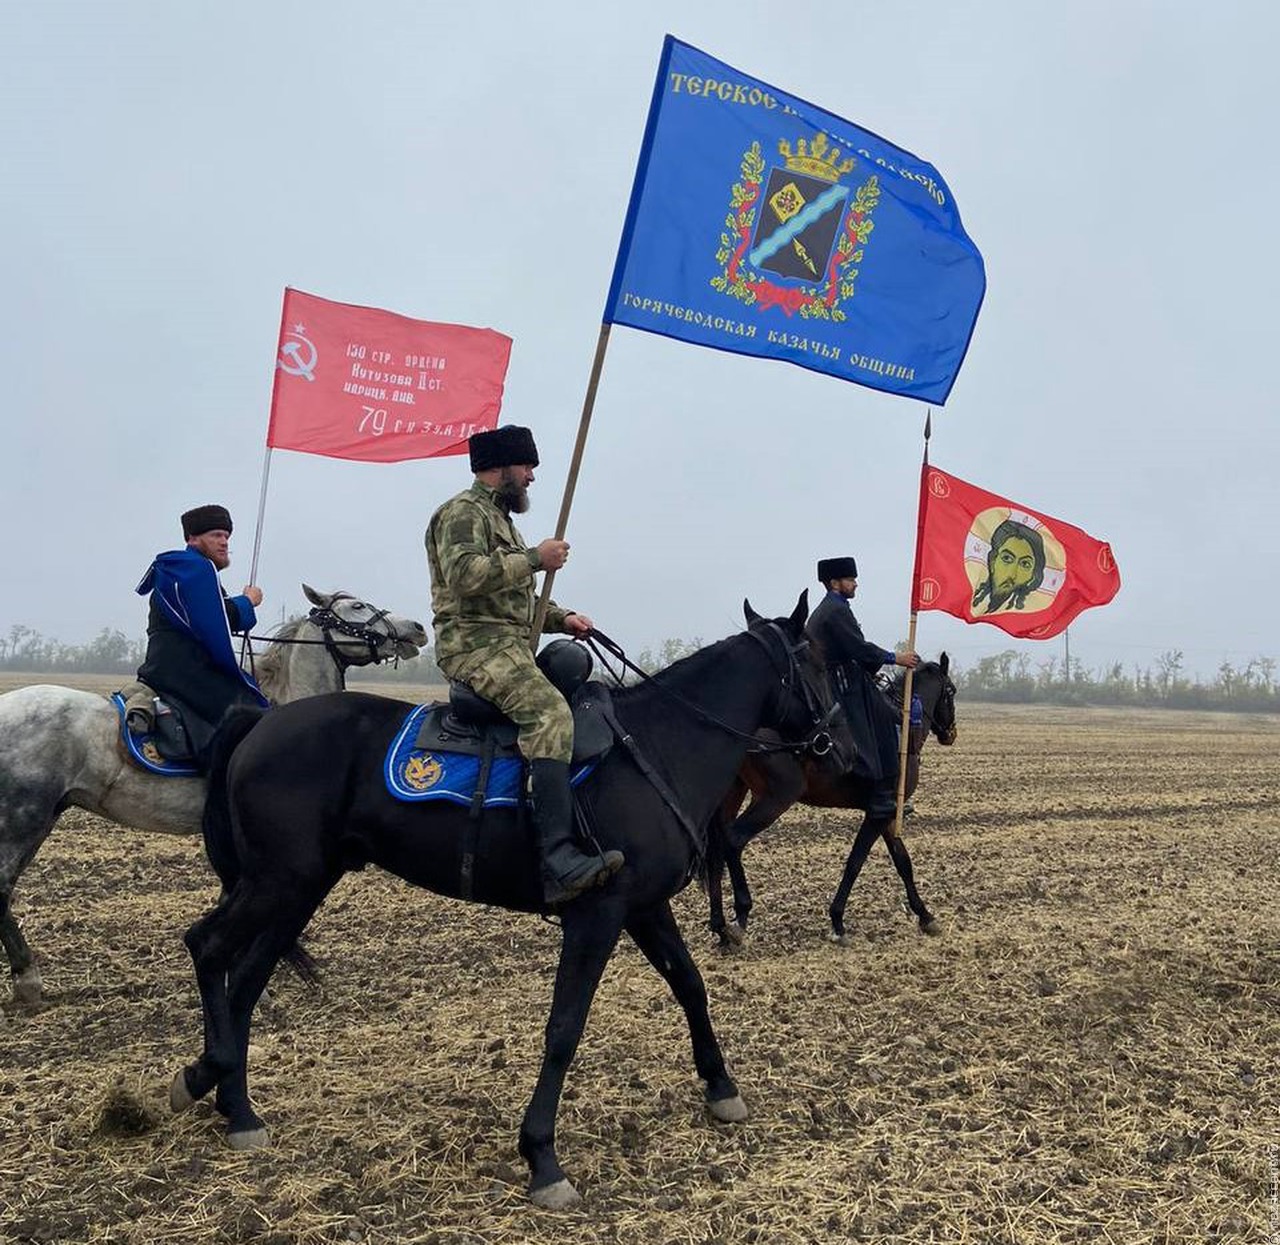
x: 566, y: 871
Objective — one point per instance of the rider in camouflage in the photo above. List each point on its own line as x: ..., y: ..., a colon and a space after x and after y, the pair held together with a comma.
x: 482, y: 599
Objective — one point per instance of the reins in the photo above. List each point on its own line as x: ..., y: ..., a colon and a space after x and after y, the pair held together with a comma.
x: 818, y: 740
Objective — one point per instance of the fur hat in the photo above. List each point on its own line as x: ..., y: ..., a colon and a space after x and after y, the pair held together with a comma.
x: 508, y: 446
x: 205, y: 519
x: 837, y: 568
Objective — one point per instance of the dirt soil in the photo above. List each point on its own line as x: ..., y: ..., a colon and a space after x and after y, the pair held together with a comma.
x: 1086, y: 1054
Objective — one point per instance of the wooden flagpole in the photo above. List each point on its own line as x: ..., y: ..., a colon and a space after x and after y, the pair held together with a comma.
x: 904, y: 737
x: 257, y: 540
x: 266, y: 464
x: 570, y: 484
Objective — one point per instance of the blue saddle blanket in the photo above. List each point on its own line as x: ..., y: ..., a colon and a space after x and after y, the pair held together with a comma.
x: 415, y: 774
x: 142, y: 749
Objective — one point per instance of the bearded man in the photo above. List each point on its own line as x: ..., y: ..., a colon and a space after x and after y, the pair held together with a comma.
x: 1015, y: 568
x: 482, y: 600
x: 190, y: 659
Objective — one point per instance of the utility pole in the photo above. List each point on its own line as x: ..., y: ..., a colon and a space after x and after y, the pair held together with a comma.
x: 1066, y: 636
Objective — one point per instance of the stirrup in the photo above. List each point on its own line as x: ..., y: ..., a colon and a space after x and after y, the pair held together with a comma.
x: 559, y: 891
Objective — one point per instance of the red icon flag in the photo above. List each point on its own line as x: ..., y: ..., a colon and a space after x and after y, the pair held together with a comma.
x: 986, y: 559
x: 357, y: 382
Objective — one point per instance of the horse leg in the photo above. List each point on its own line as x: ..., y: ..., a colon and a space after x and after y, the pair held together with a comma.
x: 31, y: 815
x: 742, y: 901
x: 761, y: 813
x: 902, y: 862
x: 234, y: 949
x: 659, y: 938
x: 27, y: 986
x: 245, y: 985
x: 717, y: 850
x: 870, y: 830
x: 715, y: 886
x: 589, y: 935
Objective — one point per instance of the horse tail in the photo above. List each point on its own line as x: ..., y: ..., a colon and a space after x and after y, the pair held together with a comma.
x: 215, y: 825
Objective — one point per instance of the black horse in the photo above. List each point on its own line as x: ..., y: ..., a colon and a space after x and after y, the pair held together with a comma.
x: 777, y: 780
x: 302, y: 800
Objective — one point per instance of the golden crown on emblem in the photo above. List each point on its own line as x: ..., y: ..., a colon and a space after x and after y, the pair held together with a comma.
x: 815, y: 158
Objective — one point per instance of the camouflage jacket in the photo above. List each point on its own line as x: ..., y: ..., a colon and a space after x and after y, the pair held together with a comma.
x: 482, y: 581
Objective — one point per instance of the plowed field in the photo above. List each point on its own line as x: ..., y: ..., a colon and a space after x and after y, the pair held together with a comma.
x: 1086, y: 1054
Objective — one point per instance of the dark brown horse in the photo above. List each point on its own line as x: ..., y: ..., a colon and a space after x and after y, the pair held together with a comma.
x: 777, y: 780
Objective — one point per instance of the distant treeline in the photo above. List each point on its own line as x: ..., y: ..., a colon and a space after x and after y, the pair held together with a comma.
x: 1010, y: 677
x: 113, y: 652
x: 110, y: 652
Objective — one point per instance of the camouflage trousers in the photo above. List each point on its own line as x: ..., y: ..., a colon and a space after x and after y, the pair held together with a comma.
x: 511, y: 679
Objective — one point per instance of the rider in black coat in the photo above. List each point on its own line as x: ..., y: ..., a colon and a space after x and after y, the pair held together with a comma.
x: 852, y: 662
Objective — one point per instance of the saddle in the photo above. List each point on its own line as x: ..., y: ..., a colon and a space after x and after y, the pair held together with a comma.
x: 474, y: 726
x: 156, y: 740
x: 465, y: 751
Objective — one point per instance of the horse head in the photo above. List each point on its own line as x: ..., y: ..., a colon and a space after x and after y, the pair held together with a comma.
x: 358, y: 634
x: 937, y: 692
x: 802, y: 708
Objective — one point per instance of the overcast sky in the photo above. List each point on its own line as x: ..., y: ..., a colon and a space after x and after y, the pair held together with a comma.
x: 169, y: 167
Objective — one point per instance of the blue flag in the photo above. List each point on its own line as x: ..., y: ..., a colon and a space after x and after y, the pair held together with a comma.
x: 763, y: 225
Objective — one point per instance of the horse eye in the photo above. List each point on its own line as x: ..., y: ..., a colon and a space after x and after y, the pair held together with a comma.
x: 359, y: 605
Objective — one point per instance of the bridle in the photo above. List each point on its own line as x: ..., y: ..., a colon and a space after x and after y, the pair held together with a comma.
x: 328, y: 622
x: 945, y: 734
x: 818, y: 740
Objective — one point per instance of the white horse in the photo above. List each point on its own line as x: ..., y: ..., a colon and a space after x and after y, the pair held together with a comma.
x: 61, y: 748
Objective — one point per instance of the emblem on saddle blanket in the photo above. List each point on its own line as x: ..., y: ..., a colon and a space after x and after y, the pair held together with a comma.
x: 142, y: 749
x: 414, y: 774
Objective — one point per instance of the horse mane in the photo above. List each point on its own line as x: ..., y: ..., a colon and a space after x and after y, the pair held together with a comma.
x: 271, y: 663
x: 644, y: 694
x: 893, y: 680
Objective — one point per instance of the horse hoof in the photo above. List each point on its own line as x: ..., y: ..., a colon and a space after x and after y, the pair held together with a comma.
x: 729, y: 1110
x: 28, y: 989
x: 933, y: 927
x: 733, y: 935
x: 248, y: 1139
x: 840, y: 940
x: 558, y: 1196
x: 180, y: 1097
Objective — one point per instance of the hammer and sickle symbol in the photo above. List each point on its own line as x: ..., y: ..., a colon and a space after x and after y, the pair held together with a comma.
x: 298, y: 358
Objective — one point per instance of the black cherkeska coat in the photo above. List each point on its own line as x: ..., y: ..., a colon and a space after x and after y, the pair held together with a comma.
x: 853, y: 661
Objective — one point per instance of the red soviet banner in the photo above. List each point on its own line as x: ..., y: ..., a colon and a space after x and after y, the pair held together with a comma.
x: 986, y: 559
x: 356, y: 382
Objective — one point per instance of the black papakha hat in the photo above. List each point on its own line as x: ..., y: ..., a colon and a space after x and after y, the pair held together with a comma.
x: 508, y: 446
x: 837, y: 568
x: 206, y: 519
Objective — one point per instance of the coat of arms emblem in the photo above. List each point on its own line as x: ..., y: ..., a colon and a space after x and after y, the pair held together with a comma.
x: 422, y: 771
x: 796, y: 239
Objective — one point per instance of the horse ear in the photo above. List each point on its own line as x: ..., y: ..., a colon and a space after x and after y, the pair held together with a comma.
x: 321, y: 599
x: 945, y: 662
x: 800, y: 615
x: 751, y: 615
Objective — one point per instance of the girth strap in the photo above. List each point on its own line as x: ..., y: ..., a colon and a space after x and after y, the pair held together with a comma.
x: 475, y: 813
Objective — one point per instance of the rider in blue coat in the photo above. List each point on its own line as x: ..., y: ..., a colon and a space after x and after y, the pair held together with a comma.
x: 190, y: 661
